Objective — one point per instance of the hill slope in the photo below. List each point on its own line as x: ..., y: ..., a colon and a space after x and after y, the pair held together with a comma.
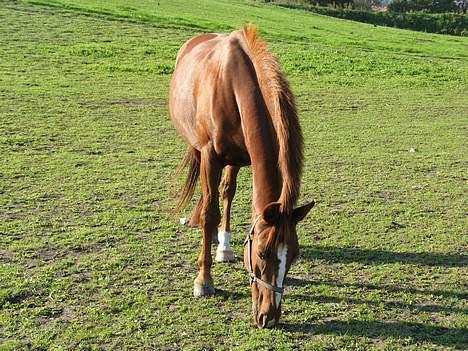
x: 90, y: 258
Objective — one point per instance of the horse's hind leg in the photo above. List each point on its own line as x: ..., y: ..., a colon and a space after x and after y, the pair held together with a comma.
x: 194, y: 220
x: 210, y: 171
x: 228, y: 185
x: 192, y: 157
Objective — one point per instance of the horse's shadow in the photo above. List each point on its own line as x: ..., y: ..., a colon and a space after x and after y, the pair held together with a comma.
x: 456, y: 337
x: 418, y: 332
x: 377, y: 256
x: 231, y: 294
x: 292, y: 281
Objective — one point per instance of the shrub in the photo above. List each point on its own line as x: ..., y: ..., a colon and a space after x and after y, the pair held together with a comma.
x: 442, y: 23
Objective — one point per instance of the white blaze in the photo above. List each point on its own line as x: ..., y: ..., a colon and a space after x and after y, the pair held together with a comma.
x: 282, y: 255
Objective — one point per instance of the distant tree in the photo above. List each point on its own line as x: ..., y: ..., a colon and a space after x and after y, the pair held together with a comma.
x: 343, y: 3
x: 440, y: 6
x: 375, y: 3
x: 361, y: 4
x: 462, y: 5
x: 333, y: 3
x: 433, y: 6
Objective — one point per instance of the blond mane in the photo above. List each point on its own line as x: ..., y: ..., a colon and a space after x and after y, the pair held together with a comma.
x: 282, y: 109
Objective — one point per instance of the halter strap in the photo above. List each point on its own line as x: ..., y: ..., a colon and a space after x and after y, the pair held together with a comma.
x: 253, y: 278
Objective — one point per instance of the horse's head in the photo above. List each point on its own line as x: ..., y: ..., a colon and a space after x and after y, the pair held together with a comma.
x: 269, y: 251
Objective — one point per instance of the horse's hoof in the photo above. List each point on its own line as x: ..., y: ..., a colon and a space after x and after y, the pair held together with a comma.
x: 225, y: 256
x: 184, y: 221
x: 203, y: 289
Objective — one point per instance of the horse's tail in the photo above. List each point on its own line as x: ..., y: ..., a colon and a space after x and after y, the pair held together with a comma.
x: 191, y: 160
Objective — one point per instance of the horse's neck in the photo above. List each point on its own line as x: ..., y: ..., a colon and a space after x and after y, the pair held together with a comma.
x: 266, y: 184
x: 261, y: 143
x: 259, y: 136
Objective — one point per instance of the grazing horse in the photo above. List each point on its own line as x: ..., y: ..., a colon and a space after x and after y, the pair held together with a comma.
x: 232, y: 104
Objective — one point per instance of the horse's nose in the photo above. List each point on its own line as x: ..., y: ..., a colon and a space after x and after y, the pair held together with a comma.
x: 263, y: 321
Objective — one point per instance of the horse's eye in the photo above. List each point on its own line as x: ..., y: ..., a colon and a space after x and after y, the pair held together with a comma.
x: 264, y: 254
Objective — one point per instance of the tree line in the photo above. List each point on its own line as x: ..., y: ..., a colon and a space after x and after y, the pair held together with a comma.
x: 420, y: 15
x: 399, y: 6
x: 429, y: 6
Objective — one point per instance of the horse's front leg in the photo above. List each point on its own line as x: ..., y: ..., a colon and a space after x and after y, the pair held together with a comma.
x: 210, y: 171
x: 224, y: 251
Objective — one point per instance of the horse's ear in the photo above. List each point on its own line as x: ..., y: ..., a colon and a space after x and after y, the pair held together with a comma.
x: 300, y: 212
x: 271, y: 212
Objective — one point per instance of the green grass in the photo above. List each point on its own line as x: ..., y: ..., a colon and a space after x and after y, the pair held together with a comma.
x: 90, y: 258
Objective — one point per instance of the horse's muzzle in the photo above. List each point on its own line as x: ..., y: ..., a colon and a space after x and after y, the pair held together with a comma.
x: 266, y: 319
x: 263, y: 321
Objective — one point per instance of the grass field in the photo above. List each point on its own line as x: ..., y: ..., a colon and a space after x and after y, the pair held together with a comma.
x: 90, y: 257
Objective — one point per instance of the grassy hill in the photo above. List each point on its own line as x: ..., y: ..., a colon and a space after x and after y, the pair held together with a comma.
x: 90, y: 258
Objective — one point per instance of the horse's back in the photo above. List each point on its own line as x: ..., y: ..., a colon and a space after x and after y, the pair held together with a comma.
x: 202, y: 102
x: 194, y: 42
x: 181, y: 95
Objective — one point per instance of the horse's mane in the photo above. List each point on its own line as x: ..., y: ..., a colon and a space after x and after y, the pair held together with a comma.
x: 282, y: 109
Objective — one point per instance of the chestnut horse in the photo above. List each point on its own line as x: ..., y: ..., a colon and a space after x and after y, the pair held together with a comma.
x: 232, y: 104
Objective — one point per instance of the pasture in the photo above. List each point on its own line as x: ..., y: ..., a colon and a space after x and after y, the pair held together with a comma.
x: 90, y: 256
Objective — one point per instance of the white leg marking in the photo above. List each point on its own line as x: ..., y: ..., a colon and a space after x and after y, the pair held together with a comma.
x: 282, y: 256
x: 224, y: 251
x: 224, y: 239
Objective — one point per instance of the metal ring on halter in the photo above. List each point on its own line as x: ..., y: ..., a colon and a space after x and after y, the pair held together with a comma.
x: 253, y: 278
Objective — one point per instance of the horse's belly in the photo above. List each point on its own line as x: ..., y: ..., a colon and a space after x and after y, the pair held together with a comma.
x: 232, y: 153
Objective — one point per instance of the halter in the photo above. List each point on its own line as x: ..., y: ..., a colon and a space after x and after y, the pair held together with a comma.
x: 252, y: 277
